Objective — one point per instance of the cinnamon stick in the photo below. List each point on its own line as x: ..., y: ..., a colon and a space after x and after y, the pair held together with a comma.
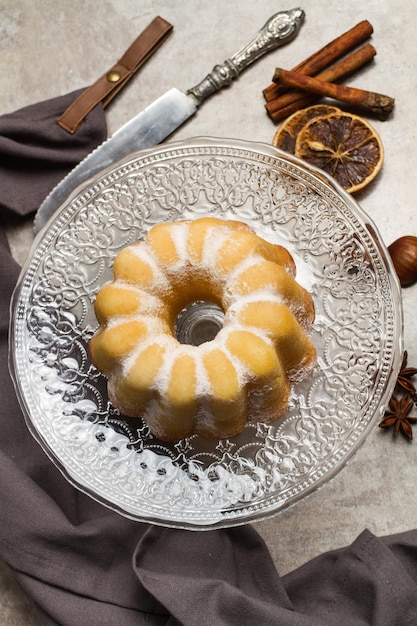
x: 294, y: 100
x: 379, y: 104
x: 326, y: 55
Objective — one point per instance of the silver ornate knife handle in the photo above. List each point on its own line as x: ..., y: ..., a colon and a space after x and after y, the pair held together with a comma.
x: 163, y: 116
x: 279, y: 30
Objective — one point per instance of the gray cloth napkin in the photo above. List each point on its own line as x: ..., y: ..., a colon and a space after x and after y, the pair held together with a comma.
x: 83, y: 564
x: 36, y: 153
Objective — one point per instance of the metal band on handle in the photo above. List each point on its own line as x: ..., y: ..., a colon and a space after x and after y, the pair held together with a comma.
x: 279, y: 30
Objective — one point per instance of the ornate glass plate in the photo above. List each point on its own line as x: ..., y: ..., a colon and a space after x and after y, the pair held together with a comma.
x: 194, y: 483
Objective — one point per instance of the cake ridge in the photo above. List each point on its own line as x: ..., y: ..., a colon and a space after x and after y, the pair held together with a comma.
x: 242, y: 375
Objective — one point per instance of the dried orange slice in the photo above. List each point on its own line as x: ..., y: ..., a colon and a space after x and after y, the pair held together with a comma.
x: 345, y: 146
x: 286, y: 134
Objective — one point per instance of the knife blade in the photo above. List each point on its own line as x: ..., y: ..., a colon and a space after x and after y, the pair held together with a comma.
x: 156, y: 122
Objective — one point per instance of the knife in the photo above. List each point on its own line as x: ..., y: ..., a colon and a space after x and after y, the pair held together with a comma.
x: 168, y: 112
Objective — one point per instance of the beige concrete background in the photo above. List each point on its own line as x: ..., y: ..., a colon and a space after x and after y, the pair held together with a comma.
x: 50, y: 47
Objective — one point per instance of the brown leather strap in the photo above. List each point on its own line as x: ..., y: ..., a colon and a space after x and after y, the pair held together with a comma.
x: 108, y: 85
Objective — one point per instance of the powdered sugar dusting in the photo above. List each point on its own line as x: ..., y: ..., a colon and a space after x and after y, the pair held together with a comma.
x: 159, y: 333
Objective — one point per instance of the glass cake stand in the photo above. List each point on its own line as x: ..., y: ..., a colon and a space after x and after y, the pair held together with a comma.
x: 195, y: 483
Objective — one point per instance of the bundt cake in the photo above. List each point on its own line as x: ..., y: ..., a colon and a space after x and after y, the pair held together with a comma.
x: 241, y: 375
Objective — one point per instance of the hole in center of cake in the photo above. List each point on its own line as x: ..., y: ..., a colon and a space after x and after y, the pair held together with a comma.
x: 199, y: 322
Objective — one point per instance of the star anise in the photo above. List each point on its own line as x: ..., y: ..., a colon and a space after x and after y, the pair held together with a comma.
x: 397, y: 416
x: 405, y: 375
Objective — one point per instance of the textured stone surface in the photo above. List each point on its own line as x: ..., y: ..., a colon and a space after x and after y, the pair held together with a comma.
x: 15, y: 608
x: 377, y: 488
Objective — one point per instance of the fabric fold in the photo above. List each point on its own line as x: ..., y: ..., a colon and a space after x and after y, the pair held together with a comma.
x: 231, y: 575
x: 36, y: 153
x: 222, y: 577
x: 362, y: 584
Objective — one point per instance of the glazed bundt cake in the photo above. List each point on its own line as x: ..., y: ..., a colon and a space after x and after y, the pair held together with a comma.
x: 242, y: 375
